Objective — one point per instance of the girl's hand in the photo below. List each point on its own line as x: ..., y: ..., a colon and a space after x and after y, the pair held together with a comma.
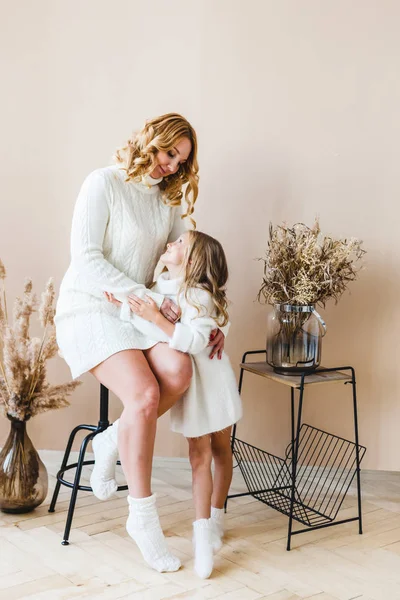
x: 111, y: 299
x: 170, y: 310
x: 147, y: 309
x: 217, y: 341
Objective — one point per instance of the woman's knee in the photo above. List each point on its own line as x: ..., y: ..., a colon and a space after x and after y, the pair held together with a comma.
x: 172, y: 369
x: 128, y: 375
x: 184, y: 376
x: 142, y: 401
x: 177, y: 373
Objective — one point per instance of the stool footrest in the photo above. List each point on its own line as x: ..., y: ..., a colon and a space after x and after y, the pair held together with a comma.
x: 83, y: 488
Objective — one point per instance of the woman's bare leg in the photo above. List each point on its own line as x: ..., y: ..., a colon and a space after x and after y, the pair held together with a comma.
x: 129, y: 376
x: 173, y: 371
x: 223, y: 466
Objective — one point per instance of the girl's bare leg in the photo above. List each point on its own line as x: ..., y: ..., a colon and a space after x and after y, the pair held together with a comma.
x: 173, y: 371
x: 223, y: 466
x: 204, y: 535
x: 202, y: 484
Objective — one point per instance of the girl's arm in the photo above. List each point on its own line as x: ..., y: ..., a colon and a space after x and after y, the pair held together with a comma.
x: 89, y: 223
x: 192, y: 337
x: 192, y: 334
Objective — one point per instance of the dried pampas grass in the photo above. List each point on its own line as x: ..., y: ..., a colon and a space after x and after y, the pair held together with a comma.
x: 24, y: 390
x: 301, y: 266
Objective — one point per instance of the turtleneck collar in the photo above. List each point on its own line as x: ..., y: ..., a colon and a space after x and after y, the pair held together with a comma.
x: 167, y: 285
x: 147, y: 184
x: 149, y: 181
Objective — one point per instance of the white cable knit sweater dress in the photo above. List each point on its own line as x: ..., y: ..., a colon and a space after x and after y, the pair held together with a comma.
x: 212, y: 401
x: 119, y: 231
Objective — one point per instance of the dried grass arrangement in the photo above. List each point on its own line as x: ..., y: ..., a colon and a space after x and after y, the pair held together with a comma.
x: 24, y: 390
x: 303, y: 267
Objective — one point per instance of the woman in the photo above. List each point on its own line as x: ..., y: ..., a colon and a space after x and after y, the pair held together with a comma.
x: 122, y: 220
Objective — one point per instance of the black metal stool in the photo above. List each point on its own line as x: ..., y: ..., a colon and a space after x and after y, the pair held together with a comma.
x: 75, y: 486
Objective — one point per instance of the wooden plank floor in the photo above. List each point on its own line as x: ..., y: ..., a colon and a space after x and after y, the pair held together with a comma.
x: 103, y: 563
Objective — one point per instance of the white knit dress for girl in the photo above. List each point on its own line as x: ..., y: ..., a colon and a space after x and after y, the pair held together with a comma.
x: 212, y: 402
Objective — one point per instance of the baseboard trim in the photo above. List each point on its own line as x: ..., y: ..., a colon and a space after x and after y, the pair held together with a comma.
x: 183, y: 462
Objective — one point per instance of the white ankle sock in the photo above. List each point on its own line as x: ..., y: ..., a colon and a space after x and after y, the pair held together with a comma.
x: 105, y: 449
x: 218, y: 516
x: 143, y: 525
x: 203, y: 540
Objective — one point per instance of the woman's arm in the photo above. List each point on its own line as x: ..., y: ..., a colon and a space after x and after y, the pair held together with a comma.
x: 89, y: 223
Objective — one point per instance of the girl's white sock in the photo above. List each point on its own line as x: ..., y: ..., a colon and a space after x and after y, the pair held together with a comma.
x: 143, y: 525
x: 203, y: 542
x: 218, y: 516
x: 105, y: 449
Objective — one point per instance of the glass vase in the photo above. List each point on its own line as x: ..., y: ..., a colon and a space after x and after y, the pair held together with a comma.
x: 294, y: 338
x: 23, y: 476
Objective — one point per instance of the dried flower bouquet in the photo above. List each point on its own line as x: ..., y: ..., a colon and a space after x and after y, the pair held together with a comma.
x: 302, y: 267
x: 24, y: 390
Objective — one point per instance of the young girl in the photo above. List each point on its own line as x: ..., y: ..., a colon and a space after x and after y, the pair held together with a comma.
x: 195, y: 278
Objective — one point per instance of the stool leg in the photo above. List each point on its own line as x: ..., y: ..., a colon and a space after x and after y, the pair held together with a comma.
x: 64, y: 464
x: 74, y: 494
x: 104, y: 395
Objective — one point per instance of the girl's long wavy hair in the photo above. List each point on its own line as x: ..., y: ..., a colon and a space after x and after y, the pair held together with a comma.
x: 205, y: 267
x: 138, y: 158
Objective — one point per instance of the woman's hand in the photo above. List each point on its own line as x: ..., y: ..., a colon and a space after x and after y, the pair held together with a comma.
x: 147, y: 308
x: 217, y: 341
x: 170, y: 310
x: 111, y: 299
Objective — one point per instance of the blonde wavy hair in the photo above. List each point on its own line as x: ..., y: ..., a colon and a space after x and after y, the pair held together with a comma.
x: 205, y: 267
x: 138, y: 158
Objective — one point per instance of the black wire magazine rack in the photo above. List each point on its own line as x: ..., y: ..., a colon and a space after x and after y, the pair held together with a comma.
x: 326, y: 466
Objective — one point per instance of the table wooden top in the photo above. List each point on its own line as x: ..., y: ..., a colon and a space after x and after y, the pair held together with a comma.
x: 265, y: 370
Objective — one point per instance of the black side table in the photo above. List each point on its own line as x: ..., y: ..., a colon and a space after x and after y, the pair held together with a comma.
x: 311, y: 481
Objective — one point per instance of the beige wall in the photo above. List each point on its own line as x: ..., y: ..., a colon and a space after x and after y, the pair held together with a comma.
x: 296, y: 105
